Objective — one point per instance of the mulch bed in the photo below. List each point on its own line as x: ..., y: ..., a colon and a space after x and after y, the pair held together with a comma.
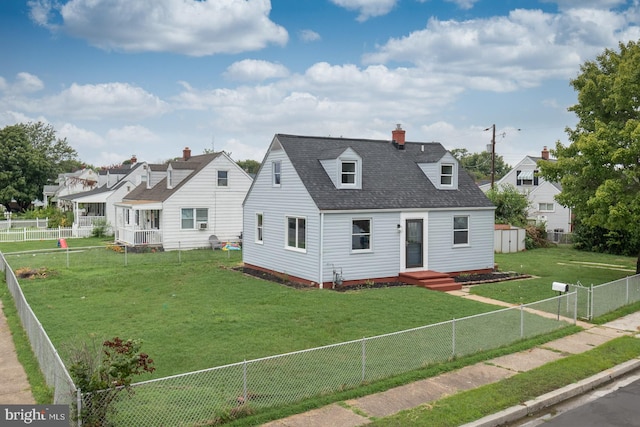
x: 463, y: 279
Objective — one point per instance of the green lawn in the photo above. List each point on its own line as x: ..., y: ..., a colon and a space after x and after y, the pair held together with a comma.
x: 197, y: 312
x: 557, y: 264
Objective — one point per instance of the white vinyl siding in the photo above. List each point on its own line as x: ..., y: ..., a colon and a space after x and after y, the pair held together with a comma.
x: 382, y: 260
x: 444, y: 257
x: 224, y: 207
x: 276, y: 204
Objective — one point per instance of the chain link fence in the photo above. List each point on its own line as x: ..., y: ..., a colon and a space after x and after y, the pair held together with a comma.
x: 54, y: 371
x: 598, y: 300
x: 211, y: 396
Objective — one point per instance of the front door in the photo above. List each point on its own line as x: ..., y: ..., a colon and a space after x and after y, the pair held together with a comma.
x: 413, y: 243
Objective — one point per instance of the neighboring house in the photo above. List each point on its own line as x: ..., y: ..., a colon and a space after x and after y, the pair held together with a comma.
x: 181, y: 204
x: 69, y: 183
x: 543, y: 208
x: 99, y: 203
x: 330, y: 211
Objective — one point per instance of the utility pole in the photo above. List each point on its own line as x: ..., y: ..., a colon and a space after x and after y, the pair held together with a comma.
x: 493, y: 154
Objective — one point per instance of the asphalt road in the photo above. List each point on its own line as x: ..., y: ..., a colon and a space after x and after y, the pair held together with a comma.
x: 616, y: 405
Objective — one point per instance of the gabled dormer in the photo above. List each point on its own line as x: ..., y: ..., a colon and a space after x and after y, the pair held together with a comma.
x: 442, y: 173
x: 344, y: 167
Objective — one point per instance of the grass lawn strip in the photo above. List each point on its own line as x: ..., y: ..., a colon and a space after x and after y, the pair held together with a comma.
x: 474, y: 404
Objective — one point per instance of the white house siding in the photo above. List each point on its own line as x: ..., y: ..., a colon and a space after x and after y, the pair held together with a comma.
x: 382, y: 261
x: 276, y: 203
x: 559, y: 218
x: 444, y: 257
x: 224, y: 204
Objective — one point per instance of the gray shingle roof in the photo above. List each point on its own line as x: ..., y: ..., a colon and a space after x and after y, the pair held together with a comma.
x: 160, y: 192
x: 391, y: 178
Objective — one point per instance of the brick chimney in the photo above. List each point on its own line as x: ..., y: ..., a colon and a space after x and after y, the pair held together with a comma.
x: 397, y: 136
x: 186, y: 153
x: 545, y: 153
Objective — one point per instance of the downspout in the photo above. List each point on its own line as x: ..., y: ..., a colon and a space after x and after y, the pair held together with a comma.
x: 321, y: 257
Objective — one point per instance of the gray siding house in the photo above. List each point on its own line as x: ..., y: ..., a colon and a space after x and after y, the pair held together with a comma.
x: 339, y: 211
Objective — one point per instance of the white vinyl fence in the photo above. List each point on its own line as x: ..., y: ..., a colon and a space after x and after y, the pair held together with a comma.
x: 26, y: 234
x: 24, y: 223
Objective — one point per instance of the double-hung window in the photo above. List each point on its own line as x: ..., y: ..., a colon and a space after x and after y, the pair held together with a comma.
x: 446, y: 175
x: 276, y: 168
x: 296, y: 233
x: 545, y: 207
x: 460, y: 230
x: 223, y: 178
x: 259, y: 219
x: 191, y: 217
x: 348, y: 173
x: 361, y: 234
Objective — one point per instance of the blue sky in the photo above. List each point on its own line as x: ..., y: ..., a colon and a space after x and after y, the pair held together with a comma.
x: 149, y: 77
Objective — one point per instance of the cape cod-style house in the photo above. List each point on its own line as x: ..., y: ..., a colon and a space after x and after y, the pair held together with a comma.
x: 181, y: 204
x: 338, y: 211
x: 543, y: 208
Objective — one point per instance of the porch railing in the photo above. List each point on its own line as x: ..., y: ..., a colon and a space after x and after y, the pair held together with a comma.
x: 88, y: 221
x: 139, y: 237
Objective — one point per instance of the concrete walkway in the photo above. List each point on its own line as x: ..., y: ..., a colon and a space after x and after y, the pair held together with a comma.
x: 14, y: 387
x: 357, y: 412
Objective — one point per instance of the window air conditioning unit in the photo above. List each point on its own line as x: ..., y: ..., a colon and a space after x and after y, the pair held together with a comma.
x: 203, y: 226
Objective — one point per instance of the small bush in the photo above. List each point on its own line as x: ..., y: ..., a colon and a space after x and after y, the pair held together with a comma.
x: 536, y: 237
x: 100, y: 228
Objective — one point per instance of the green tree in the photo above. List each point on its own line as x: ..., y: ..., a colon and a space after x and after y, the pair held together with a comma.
x: 249, y: 166
x: 30, y: 156
x: 479, y: 164
x: 600, y: 168
x: 511, y: 205
x: 23, y: 169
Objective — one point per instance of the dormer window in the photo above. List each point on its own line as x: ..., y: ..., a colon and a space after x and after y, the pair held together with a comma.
x: 348, y: 174
x: 446, y: 175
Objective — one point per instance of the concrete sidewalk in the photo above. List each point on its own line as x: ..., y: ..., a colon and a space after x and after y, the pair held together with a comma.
x: 357, y: 412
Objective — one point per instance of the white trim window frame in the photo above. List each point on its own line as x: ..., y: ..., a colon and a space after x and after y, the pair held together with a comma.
x: 461, y: 228
x: 259, y: 228
x: 191, y: 218
x: 348, y: 173
x: 276, y: 173
x: 446, y: 174
x: 296, y: 233
x: 546, y: 207
x: 361, y: 235
x: 222, y: 178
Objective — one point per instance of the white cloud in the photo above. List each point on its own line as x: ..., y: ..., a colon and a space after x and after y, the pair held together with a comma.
x: 367, y: 8
x: 24, y: 83
x: 463, y: 4
x: 255, y: 70
x: 100, y: 101
x: 505, y: 53
x: 309, y: 36
x: 189, y: 27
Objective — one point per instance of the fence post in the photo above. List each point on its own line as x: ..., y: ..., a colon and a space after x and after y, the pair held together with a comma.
x: 364, y: 358
x: 575, y: 308
x: 244, y: 381
x: 627, y: 283
x: 79, y: 406
x: 521, y: 321
x: 591, y: 302
x: 453, y: 337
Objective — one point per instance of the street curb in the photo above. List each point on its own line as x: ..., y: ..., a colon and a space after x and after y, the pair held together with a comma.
x: 572, y: 390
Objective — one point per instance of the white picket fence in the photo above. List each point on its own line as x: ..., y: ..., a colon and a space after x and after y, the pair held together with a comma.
x: 6, y: 224
x: 26, y: 234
